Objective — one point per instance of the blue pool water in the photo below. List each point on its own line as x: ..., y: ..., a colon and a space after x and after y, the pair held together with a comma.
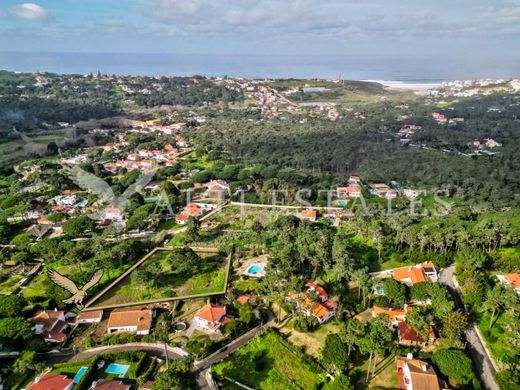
x: 79, y: 374
x: 255, y: 269
x: 117, y: 369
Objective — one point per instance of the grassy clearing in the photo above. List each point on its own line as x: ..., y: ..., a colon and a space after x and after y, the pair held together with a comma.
x: 497, y: 338
x: 269, y: 362
x: 210, y: 278
x: 385, y: 375
x: 312, y: 342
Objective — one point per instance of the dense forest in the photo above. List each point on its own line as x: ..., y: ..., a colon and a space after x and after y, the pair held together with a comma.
x: 32, y: 101
x: 436, y: 157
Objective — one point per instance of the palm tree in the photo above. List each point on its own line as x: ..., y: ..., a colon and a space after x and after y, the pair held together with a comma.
x: 494, y: 300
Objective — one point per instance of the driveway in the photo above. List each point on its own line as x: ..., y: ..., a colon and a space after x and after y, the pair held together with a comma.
x: 475, y: 347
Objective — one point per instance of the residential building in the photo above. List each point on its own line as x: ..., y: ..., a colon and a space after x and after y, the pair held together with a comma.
x: 415, y: 374
x: 114, y: 214
x: 423, y: 272
x: 211, y: 317
x: 512, y: 280
x: 89, y: 317
x: 50, y: 324
x: 320, y: 308
x: 309, y: 215
x: 191, y: 210
x: 321, y: 311
x: 409, y: 336
x: 217, y: 189
x: 138, y: 321
x: 394, y: 315
x: 52, y: 382
x: 351, y: 191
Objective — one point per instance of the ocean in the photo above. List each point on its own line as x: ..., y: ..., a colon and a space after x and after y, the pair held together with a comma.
x: 407, y: 70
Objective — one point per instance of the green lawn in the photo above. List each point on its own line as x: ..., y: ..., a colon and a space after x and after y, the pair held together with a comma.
x: 497, y: 337
x: 385, y: 376
x: 269, y: 362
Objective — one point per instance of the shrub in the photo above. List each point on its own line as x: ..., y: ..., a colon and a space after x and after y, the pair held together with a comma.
x: 454, y: 364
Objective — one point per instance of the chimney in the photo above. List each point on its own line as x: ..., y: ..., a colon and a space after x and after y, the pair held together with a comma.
x: 424, y: 367
x: 409, y: 356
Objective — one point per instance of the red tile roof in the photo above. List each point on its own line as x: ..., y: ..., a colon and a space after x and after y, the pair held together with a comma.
x: 211, y: 313
x: 409, y: 334
x: 141, y: 318
x: 51, y: 382
x: 514, y: 279
x: 322, y: 293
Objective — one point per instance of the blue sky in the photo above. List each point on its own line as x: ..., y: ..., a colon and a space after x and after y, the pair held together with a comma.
x: 370, y: 28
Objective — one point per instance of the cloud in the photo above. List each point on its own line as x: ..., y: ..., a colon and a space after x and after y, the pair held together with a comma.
x: 29, y: 11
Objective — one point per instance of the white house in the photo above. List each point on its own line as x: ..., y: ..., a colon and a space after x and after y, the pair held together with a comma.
x: 211, y: 317
x: 89, y: 317
x: 138, y: 321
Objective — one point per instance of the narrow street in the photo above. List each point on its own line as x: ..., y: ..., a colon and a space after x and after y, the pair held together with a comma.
x: 483, y: 363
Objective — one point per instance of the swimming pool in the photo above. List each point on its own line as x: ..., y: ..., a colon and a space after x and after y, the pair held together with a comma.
x: 79, y: 374
x: 256, y: 270
x: 117, y: 369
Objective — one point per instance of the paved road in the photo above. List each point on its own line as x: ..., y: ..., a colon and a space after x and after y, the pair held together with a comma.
x: 475, y: 347
x: 151, y: 349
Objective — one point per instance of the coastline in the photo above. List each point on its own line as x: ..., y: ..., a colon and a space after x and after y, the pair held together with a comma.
x: 416, y: 86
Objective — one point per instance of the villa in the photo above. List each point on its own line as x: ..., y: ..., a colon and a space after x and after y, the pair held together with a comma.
x: 138, y: 321
x: 50, y: 324
x: 52, y: 382
x: 211, y: 317
x: 512, y: 280
x: 415, y: 374
x: 423, y: 272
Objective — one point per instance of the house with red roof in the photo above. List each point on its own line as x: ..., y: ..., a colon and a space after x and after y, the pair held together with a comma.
x: 320, y: 308
x: 320, y: 291
x: 138, y: 321
x: 394, y: 315
x: 415, y: 374
x: 512, y: 280
x: 52, y: 382
x: 211, y: 317
x: 409, y: 336
x: 191, y: 210
x: 309, y: 215
x: 410, y: 275
x: 50, y: 324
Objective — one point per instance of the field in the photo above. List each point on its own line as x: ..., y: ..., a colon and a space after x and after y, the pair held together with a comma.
x: 158, y: 278
x: 15, y: 150
x: 269, y: 362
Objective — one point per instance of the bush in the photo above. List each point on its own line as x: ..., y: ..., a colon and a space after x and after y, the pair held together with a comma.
x: 454, y: 364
